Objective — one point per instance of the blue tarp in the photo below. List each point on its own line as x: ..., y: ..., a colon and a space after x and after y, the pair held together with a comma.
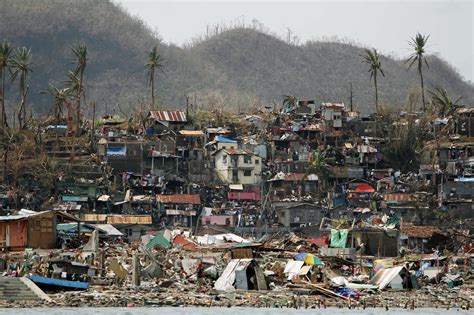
x: 225, y: 140
x: 57, y: 127
x: 59, y: 283
x: 117, y: 151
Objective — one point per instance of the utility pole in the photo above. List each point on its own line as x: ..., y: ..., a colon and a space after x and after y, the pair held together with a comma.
x: 351, y: 96
x: 93, y: 127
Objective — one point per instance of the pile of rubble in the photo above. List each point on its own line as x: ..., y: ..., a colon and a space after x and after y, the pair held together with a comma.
x: 171, y: 269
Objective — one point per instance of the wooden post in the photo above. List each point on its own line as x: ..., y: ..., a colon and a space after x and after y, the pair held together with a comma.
x: 136, y: 270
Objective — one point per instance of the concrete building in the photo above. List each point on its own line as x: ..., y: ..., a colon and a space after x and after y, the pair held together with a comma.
x: 238, y: 167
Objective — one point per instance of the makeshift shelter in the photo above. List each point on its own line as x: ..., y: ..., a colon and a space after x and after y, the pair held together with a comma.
x: 31, y: 229
x: 244, y: 274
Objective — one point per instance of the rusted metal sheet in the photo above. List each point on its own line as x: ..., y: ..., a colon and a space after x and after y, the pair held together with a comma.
x: 179, y: 199
x: 94, y: 217
x: 419, y: 231
x: 399, y: 197
x: 129, y: 219
x: 168, y: 115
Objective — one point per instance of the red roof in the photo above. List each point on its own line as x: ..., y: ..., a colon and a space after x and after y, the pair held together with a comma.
x: 238, y: 152
x: 179, y: 199
x: 180, y: 241
x: 168, y: 115
x: 364, y: 188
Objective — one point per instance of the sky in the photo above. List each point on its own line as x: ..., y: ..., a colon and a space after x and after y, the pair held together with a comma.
x: 385, y: 25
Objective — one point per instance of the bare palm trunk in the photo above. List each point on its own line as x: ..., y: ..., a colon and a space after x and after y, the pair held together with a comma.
x: 78, y: 109
x: 21, y: 108
x: 3, y: 119
x: 152, y: 89
x: 376, y: 93
x: 422, y: 84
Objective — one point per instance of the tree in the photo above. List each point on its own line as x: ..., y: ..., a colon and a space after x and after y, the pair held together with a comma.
x: 418, y: 43
x: 319, y: 165
x: 80, y: 53
x: 155, y: 62
x: 21, y: 66
x: 60, y: 96
x: 289, y: 101
x: 371, y: 57
x: 441, y: 100
x: 5, y: 64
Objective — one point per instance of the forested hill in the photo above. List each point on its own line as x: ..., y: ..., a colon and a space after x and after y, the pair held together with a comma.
x: 235, y: 68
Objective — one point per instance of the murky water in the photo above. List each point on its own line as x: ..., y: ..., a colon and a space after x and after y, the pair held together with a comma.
x: 220, y: 311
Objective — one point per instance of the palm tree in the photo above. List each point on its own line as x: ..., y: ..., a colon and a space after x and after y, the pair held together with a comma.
x: 5, y: 63
x: 155, y: 62
x: 80, y: 53
x: 371, y: 57
x: 76, y: 88
x: 441, y: 100
x: 60, y: 96
x: 319, y: 165
x: 21, y: 66
x: 418, y: 43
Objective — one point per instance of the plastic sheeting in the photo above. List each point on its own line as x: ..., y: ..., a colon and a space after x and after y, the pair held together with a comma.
x: 339, y: 238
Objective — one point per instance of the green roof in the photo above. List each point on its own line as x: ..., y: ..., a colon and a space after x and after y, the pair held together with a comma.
x: 160, y: 241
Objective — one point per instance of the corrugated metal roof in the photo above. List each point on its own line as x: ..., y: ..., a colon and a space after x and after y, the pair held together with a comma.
x: 129, y: 219
x: 179, y: 199
x: 168, y: 115
x: 90, y: 217
x: 23, y: 214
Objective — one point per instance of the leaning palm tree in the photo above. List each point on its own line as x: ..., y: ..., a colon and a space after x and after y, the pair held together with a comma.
x: 371, y: 57
x: 80, y: 53
x: 21, y: 67
x: 5, y: 63
x: 60, y: 96
x: 155, y: 62
x: 418, y: 43
x: 441, y: 100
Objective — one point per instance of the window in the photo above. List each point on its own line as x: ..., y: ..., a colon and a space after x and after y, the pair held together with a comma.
x: 257, y: 161
x: 224, y: 159
x: 223, y: 147
x: 247, y: 159
x: 247, y: 173
x: 128, y: 232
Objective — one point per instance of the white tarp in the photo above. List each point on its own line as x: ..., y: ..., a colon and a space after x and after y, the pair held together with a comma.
x: 385, y: 276
x: 220, y: 239
x: 227, y: 278
x: 293, y: 268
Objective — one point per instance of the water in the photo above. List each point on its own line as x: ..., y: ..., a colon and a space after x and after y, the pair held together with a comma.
x: 219, y: 311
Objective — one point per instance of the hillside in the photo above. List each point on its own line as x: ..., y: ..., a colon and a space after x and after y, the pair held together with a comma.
x: 236, y: 68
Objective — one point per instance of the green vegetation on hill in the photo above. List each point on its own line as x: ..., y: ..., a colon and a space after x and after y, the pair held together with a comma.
x: 237, y: 68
